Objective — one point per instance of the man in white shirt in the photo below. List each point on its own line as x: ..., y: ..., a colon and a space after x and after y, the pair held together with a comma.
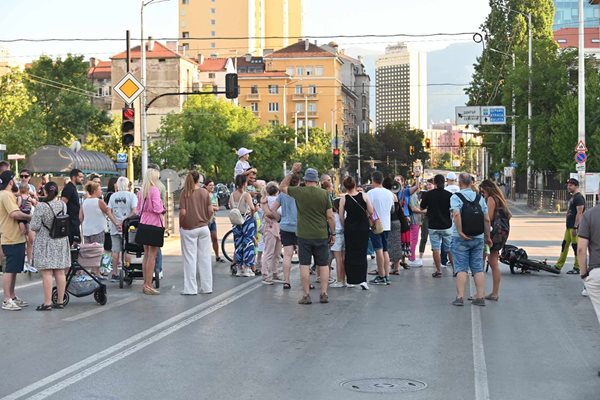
x: 451, y: 185
x: 383, y: 203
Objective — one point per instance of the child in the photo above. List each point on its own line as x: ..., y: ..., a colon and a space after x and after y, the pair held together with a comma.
x: 259, y: 243
x: 25, y: 203
x: 338, y: 248
x: 243, y: 166
x: 272, y: 241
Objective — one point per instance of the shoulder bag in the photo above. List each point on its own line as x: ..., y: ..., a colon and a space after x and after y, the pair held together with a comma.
x: 150, y: 235
x: 374, y: 221
x: 235, y: 215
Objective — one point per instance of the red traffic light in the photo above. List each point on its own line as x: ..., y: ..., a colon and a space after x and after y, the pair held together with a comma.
x: 336, y: 152
x: 128, y: 113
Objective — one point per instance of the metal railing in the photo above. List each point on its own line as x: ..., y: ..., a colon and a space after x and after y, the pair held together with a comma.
x: 555, y: 200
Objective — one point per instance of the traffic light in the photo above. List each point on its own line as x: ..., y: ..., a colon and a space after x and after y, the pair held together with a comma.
x: 128, y: 126
x: 411, y: 150
x: 231, y: 86
x: 336, y: 158
x: 427, y: 143
x: 461, y: 142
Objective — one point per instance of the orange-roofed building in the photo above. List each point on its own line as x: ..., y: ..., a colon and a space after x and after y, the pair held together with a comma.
x: 99, y: 73
x: 212, y: 72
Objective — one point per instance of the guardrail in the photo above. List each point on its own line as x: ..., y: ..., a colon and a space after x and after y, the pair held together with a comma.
x: 555, y: 200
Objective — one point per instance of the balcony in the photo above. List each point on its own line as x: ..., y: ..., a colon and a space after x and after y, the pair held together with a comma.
x: 303, y: 96
x: 253, y: 97
x: 311, y: 114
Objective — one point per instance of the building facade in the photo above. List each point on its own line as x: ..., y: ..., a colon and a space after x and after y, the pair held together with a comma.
x: 401, y: 87
x: 238, y: 27
x: 566, y: 14
x: 99, y: 73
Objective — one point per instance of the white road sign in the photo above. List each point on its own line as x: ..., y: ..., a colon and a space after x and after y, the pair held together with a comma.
x: 493, y: 115
x: 129, y: 88
x: 476, y: 115
x: 468, y: 115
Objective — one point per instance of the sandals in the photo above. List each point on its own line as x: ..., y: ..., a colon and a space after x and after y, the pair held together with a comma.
x: 44, y: 307
x: 220, y: 260
x: 492, y: 298
x: 373, y: 272
x: 287, y: 286
x: 436, y: 275
x: 394, y: 272
x: 59, y: 306
x: 404, y: 265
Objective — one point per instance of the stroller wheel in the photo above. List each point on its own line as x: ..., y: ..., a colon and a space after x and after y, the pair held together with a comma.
x: 100, y: 296
x: 156, y: 280
x: 121, y: 278
x: 55, y: 297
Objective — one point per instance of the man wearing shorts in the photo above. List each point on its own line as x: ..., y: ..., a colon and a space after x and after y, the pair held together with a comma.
x: 314, y: 215
x: 437, y: 204
x: 13, y: 241
x: 383, y: 203
x: 467, y: 250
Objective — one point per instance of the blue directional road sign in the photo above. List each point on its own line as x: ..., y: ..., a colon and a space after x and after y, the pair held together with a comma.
x: 121, y: 165
x: 121, y: 157
x: 580, y: 157
x: 493, y: 115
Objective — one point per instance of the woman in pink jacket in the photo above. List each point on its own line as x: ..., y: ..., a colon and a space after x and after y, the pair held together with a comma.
x: 151, y: 210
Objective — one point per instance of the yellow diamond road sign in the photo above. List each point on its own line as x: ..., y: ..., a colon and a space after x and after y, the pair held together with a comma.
x: 129, y: 88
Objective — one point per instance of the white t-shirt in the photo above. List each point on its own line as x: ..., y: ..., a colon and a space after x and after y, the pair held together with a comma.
x: 240, y: 168
x: 338, y: 223
x: 383, y: 203
x: 452, y: 188
x: 122, y: 205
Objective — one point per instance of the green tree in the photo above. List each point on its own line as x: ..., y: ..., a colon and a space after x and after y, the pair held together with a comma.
x: 317, y: 152
x: 63, y: 90
x: 272, y: 146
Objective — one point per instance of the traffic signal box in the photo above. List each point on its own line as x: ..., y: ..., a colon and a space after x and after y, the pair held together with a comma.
x: 128, y: 126
x: 428, y: 143
x: 461, y: 142
x: 336, y: 158
x: 232, y: 89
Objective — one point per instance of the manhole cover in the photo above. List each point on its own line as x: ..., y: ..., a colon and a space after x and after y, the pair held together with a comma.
x: 384, y: 385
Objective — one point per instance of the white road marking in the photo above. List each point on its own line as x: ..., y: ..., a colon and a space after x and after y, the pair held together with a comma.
x: 144, y: 338
x: 482, y: 391
x: 101, y: 309
x: 24, y: 286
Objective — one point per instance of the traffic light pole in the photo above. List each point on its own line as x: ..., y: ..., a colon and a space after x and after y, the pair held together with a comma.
x: 129, y: 148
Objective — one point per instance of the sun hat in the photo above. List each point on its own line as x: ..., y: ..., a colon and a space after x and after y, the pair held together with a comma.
x: 243, y: 151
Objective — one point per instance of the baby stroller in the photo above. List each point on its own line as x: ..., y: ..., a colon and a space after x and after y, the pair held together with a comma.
x: 132, y: 270
x: 84, y: 283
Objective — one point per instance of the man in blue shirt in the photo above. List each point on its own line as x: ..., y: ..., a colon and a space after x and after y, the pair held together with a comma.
x: 470, y: 228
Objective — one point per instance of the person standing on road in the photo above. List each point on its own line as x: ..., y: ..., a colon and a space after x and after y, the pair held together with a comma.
x: 123, y: 204
x: 243, y: 235
x: 13, y: 241
x: 589, y: 243
x: 437, y: 204
x: 70, y: 197
x: 416, y: 219
x: 499, y: 215
x: 395, y: 237
x: 287, y: 227
x: 575, y: 210
x: 51, y: 256
x: 382, y: 201
x: 354, y: 211
x: 212, y: 226
x: 271, y: 238
x: 151, y: 210
x: 470, y: 231
x: 195, y: 214
x: 314, y: 215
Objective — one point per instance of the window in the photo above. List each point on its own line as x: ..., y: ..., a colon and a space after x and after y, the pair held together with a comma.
x: 185, y: 46
x: 299, y: 107
x: 185, y: 35
x: 298, y: 89
x: 274, y: 122
x: 254, y: 107
x: 309, y: 70
x: 185, y: 1
x: 312, y: 89
x: 319, y: 71
x: 213, y: 33
x: 213, y: 10
x: 273, y: 89
x: 183, y: 24
x: 213, y: 45
x: 254, y: 89
x: 312, y: 107
x: 273, y: 107
x: 299, y: 71
x: 211, y: 75
x: 213, y: 21
x: 290, y: 71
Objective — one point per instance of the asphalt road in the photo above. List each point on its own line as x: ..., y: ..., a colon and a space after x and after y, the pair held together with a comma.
x: 249, y: 341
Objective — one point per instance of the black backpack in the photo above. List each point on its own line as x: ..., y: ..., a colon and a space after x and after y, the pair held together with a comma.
x: 471, y: 216
x: 60, y: 224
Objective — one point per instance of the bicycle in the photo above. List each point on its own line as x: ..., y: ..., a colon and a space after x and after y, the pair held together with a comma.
x: 517, y: 258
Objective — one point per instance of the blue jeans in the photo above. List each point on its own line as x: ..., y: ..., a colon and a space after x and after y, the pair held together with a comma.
x: 468, y: 254
x: 158, y: 264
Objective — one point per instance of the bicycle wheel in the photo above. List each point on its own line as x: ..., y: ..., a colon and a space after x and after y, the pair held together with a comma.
x: 228, y: 246
x: 540, y: 265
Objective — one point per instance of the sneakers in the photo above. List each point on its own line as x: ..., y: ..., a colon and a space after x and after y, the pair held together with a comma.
x: 160, y: 275
x: 459, y: 301
x: 418, y: 263
x: 115, y: 278
x: 10, y: 305
x: 478, y: 302
x: 323, y: 298
x: 240, y: 272
x: 20, y: 302
x: 387, y: 280
x: 350, y: 285
x: 584, y: 292
x: 29, y: 268
x: 337, y: 285
x: 364, y: 286
x: 378, y: 280
x: 248, y: 272
x: 277, y: 279
x: 305, y: 300
x: 330, y: 280
x: 574, y: 271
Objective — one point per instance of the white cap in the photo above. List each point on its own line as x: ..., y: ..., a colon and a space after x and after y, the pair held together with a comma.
x: 243, y: 151
x: 451, y: 176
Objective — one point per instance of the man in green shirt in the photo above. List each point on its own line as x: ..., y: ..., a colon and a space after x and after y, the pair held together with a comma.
x: 314, y: 214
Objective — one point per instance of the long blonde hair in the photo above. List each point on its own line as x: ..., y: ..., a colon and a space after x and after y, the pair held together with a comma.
x: 152, y: 178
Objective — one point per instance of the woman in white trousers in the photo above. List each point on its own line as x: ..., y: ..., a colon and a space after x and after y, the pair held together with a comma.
x: 195, y: 213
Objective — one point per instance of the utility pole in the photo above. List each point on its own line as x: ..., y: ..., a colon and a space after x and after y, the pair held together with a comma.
x: 529, y: 140
x: 143, y: 128
x: 581, y: 84
x: 129, y: 148
x: 358, y: 143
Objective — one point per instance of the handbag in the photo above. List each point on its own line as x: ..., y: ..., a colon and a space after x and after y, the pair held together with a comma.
x: 150, y: 235
x: 374, y: 221
x: 235, y: 215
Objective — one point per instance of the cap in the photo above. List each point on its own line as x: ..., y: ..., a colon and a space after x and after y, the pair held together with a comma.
x: 311, y: 175
x: 6, y: 177
x: 451, y: 176
x: 243, y: 151
x: 573, y: 181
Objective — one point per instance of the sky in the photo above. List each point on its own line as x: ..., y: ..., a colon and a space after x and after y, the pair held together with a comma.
x: 109, y: 19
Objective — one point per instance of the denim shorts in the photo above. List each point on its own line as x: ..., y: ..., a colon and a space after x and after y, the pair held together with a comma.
x: 339, y: 243
x: 15, y: 257
x: 313, y: 248
x: 380, y: 241
x: 212, y: 227
x: 468, y: 254
x: 117, y: 243
x: 437, y: 236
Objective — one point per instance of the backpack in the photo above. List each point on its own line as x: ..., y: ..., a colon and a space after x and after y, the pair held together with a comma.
x: 61, y: 224
x: 235, y: 216
x: 500, y: 227
x: 471, y: 216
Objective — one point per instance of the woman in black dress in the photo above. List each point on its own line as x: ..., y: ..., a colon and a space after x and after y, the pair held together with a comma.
x: 354, y: 207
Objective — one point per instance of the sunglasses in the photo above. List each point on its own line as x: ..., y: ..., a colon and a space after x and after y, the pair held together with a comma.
x: 24, y: 176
